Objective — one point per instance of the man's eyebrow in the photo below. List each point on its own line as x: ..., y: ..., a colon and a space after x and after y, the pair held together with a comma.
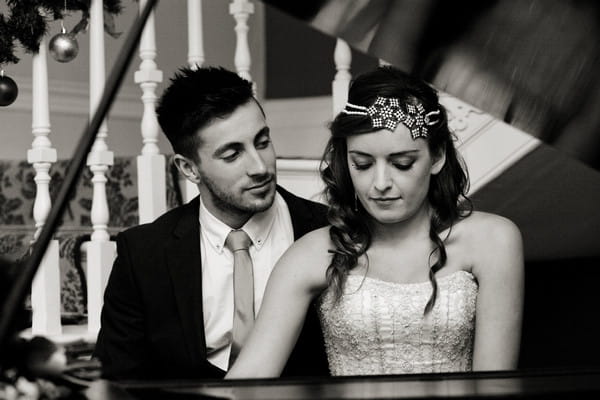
x: 238, y: 145
x: 264, y: 131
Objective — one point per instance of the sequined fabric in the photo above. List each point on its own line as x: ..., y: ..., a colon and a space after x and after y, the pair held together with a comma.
x: 378, y: 327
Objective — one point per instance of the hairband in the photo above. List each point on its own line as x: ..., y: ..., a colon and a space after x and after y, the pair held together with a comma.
x: 386, y: 113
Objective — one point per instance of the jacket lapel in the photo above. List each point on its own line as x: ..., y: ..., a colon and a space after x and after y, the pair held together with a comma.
x: 184, y: 265
x: 306, y: 216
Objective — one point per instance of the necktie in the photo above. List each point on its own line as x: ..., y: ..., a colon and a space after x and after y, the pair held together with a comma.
x: 243, y: 290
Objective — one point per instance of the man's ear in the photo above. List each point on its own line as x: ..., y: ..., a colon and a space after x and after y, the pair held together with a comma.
x: 187, y: 168
x: 438, y: 162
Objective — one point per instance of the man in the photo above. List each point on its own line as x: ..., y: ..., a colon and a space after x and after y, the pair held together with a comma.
x: 169, y: 304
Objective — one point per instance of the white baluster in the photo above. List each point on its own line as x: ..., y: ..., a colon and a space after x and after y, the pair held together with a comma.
x: 152, y: 197
x: 342, y: 57
x: 100, y: 158
x: 195, y: 60
x: 241, y: 11
x: 195, y: 34
x: 100, y: 251
x: 45, y: 290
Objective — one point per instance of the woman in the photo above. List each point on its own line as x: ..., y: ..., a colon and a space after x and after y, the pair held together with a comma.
x: 407, y: 278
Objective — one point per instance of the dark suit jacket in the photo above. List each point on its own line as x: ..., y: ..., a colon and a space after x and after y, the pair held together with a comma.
x: 152, y: 322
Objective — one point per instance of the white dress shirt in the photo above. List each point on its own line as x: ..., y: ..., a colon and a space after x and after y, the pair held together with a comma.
x: 271, y: 233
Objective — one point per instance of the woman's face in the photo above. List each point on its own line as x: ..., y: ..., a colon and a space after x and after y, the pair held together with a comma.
x: 391, y: 172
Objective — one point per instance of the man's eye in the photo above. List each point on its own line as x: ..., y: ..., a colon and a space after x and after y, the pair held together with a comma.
x: 263, y: 144
x: 230, y: 155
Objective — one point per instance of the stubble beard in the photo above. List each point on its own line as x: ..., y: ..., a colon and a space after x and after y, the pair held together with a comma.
x: 230, y: 203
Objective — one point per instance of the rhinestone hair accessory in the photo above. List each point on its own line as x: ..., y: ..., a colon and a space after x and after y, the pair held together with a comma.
x: 386, y: 113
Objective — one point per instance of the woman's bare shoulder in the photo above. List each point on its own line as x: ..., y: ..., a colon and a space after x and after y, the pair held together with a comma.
x: 315, y: 241
x: 308, y: 257
x: 317, y: 235
x: 487, y: 227
x: 492, y: 241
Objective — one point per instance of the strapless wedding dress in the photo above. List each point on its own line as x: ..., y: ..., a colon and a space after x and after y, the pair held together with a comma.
x: 378, y: 327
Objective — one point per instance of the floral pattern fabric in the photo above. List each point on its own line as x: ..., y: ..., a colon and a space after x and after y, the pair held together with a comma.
x: 17, y: 225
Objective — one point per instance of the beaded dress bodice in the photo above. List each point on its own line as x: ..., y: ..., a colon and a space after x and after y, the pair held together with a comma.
x: 378, y: 327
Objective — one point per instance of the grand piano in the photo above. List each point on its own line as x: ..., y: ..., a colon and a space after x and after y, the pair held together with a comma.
x: 550, y: 96
x: 540, y: 384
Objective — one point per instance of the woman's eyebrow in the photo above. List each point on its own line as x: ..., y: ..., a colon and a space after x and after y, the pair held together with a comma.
x: 396, y: 154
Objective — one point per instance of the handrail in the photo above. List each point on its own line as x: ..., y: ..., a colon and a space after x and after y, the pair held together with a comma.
x: 22, y: 285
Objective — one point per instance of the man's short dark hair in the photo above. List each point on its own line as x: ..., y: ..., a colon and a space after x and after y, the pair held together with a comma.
x: 194, y: 99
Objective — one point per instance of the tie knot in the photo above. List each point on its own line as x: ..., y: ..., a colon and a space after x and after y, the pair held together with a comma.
x: 237, y: 240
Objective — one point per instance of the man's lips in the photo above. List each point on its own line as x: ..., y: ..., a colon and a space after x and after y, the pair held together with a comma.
x: 261, y: 185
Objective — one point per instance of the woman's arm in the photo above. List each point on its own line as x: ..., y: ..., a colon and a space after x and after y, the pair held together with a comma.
x: 297, y: 278
x: 498, y: 266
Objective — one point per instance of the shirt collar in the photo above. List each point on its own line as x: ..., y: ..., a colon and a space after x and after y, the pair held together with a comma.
x: 257, y: 227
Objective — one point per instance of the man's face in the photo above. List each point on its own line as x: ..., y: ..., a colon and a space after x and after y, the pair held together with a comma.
x: 237, y: 165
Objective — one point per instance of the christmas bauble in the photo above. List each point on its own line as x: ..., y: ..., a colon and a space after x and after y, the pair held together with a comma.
x: 63, y: 47
x: 8, y: 91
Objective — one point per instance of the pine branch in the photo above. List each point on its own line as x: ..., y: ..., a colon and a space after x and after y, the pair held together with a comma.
x: 27, y: 22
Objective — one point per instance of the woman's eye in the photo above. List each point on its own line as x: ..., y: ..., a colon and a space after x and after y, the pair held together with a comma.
x: 361, y: 166
x: 404, y: 166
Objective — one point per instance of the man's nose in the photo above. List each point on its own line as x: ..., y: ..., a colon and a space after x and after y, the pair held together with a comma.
x: 256, y: 163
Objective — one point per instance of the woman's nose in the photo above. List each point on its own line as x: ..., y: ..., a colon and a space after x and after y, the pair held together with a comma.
x: 383, y: 180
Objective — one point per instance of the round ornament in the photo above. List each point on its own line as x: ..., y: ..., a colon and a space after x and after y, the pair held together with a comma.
x: 63, y: 47
x: 8, y: 90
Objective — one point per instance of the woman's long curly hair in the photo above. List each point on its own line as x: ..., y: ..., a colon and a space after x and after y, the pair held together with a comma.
x: 351, y: 231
